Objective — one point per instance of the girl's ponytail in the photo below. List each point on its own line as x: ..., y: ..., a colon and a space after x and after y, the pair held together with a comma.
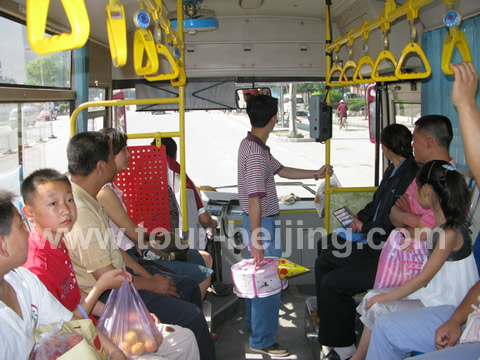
x: 451, y: 189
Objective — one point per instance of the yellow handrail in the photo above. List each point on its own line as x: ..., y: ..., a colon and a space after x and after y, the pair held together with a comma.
x: 387, y: 16
x: 37, y: 12
x: 117, y: 33
x: 459, y: 40
x: 412, y: 48
x: 384, y: 55
x: 357, y: 76
x: 143, y: 43
x: 350, y: 64
x: 73, y: 118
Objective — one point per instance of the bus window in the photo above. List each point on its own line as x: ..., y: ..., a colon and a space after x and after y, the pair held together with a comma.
x: 371, y: 104
x: 407, y: 113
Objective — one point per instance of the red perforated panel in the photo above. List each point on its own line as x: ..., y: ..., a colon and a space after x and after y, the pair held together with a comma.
x: 145, y: 187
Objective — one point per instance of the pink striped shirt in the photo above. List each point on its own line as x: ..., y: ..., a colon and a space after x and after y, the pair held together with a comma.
x: 428, y: 217
x: 256, y: 170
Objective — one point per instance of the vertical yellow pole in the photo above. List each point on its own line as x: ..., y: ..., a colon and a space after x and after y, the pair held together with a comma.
x: 328, y: 65
x: 181, y: 115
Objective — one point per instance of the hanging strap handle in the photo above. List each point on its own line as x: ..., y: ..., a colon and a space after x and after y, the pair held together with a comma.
x: 413, y: 48
x: 37, y: 12
x: 384, y: 55
x: 459, y: 40
x: 143, y: 43
x: 117, y: 32
x: 358, y: 78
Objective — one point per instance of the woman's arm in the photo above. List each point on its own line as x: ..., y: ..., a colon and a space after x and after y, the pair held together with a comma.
x: 114, y: 209
x: 432, y: 266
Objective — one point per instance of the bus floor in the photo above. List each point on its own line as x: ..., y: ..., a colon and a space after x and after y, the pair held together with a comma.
x: 232, y: 342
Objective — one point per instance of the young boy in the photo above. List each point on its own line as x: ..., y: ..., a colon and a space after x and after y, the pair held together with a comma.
x: 25, y: 303
x: 50, y: 207
x: 259, y: 202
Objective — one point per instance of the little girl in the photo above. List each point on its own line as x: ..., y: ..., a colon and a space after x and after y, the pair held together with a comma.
x: 450, y: 270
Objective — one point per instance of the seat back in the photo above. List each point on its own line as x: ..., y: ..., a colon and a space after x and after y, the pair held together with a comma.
x: 145, y: 187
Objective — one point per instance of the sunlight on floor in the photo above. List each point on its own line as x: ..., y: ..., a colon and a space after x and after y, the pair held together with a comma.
x: 251, y: 356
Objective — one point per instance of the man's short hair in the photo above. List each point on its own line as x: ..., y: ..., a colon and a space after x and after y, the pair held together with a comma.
x: 85, y: 150
x: 7, y: 211
x: 38, y: 177
x: 261, y: 109
x: 170, y: 146
x: 437, y: 126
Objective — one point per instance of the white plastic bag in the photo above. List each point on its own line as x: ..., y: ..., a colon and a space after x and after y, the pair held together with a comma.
x: 319, y: 199
x: 472, y: 327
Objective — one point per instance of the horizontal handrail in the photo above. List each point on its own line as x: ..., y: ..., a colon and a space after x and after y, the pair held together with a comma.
x: 73, y: 118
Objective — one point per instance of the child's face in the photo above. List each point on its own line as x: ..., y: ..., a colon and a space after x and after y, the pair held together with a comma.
x: 53, y: 207
x: 17, y: 241
x: 121, y: 159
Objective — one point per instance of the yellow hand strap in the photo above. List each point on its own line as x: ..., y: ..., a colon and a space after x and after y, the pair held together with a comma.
x: 117, y: 34
x: 162, y: 50
x: 357, y: 75
x: 350, y: 64
x: 335, y: 68
x: 413, y: 48
x: 143, y: 43
x: 37, y: 12
x: 384, y: 55
x: 457, y: 39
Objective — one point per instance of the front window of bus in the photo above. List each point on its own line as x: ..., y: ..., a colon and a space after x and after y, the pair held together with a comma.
x: 34, y: 106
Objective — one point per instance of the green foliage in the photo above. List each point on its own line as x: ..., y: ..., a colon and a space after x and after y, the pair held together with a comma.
x: 295, y: 136
x: 356, y: 104
x: 48, y: 70
x: 63, y: 108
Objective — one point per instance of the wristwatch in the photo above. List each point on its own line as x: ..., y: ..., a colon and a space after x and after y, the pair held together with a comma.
x: 315, y: 175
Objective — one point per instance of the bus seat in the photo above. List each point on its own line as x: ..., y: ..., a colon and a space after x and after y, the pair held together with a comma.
x: 145, y: 187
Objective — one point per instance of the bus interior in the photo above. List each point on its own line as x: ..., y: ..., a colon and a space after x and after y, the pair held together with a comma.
x: 71, y: 66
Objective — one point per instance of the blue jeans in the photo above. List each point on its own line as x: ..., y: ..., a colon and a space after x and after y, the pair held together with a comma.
x: 395, y: 336
x: 261, y: 314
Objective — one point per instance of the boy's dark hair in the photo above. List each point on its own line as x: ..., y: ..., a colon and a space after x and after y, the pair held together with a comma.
x: 437, y: 126
x: 38, y: 177
x: 85, y: 150
x: 118, y: 139
x: 261, y: 109
x: 397, y: 138
x: 7, y: 211
x: 451, y: 189
x: 170, y: 146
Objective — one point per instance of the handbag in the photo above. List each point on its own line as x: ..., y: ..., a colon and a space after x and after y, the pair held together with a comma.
x: 75, y: 339
x: 396, y: 266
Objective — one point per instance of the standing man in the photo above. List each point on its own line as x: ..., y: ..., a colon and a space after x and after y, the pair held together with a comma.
x: 342, y: 113
x: 259, y: 202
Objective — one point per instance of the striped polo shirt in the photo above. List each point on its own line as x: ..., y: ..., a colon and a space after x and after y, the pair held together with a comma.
x: 256, y: 170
